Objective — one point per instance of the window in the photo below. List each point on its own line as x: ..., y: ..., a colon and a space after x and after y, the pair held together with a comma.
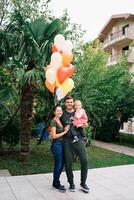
x: 111, y: 36
x: 125, y: 50
x: 124, y: 29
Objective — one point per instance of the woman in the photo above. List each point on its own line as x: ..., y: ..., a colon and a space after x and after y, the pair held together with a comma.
x: 57, y: 132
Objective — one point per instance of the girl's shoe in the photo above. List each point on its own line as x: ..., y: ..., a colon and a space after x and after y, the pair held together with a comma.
x: 60, y: 188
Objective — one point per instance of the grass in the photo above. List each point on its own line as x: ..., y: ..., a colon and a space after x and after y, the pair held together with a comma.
x: 41, y: 160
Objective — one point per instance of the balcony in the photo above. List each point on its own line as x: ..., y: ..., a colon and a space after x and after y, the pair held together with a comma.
x: 119, y: 38
x: 114, y: 59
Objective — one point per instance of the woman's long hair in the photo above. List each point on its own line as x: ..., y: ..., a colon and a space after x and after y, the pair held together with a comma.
x: 54, y: 109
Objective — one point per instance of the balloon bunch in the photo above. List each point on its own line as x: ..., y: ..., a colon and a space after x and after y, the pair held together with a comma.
x: 60, y: 70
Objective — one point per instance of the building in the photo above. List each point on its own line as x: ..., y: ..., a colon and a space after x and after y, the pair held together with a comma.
x: 117, y: 36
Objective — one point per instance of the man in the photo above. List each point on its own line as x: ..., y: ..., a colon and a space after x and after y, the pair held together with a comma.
x: 70, y: 148
x: 42, y: 132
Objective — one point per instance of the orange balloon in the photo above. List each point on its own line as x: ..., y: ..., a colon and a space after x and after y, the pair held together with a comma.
x: 50, y: 87
x: 54, y: 49
x: 66, y: 59
x: 65, y: 72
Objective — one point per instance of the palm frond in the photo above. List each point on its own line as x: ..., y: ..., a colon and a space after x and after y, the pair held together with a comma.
x: 39, y: 27
x: 33, y: 75
x: 53, y: 28
x: 7, y: 94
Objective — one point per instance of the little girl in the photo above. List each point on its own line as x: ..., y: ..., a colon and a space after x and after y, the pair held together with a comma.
x: 80, y: 118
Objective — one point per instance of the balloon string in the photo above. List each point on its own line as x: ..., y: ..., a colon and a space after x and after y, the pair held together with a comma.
x: 55, y: 98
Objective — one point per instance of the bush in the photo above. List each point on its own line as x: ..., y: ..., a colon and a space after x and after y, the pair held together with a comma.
x: 107, y: 93
x: 125, y: 138
x: 109, y: 130
x: 11, y: 134
x: 88, y: 135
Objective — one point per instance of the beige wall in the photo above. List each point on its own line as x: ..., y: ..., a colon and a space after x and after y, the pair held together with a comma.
x: 116, y: 50
x: 131, y: 68
x: 128, y: 127
x: 118, y: 27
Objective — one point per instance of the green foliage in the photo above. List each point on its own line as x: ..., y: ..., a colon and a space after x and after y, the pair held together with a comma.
x: 24, y: 52
x: 31, y: 9
x: 88, y: 135
x: 11, y: 134
x: 72, y: 31
x: 106, y: 92
x: 44, y: 105
x: 27, y: 30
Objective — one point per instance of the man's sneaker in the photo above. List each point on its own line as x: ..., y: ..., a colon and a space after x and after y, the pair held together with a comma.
x: 75, y: 139
x: 84, y: 187
x: 60, y: 188
x: 72, y: 188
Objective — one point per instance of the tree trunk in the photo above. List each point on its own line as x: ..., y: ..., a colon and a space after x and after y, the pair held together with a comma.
x: 27, y: 94
x: 0, y: 142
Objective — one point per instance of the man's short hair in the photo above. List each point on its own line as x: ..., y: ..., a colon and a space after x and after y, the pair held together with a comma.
x: 68, y: 98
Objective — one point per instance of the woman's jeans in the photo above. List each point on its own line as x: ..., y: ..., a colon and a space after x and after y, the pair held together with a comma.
x: 57, y: 151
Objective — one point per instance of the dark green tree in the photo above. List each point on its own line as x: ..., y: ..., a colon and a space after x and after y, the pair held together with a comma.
x: 26, y: 47
x: 106, y: 92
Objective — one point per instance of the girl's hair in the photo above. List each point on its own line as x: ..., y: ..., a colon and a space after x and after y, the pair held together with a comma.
x: 77, y: 100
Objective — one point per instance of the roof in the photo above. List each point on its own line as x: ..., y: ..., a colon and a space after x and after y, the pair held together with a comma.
x: 111, y: 22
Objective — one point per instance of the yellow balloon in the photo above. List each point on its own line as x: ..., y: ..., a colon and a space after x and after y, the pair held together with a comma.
x: 57, y: 83
x: 67, y: 85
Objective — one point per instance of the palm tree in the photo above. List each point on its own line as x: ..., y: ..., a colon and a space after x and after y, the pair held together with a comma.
x: 26, y: 46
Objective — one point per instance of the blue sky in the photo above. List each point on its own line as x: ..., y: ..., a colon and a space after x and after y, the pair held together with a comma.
x: 92, y: 14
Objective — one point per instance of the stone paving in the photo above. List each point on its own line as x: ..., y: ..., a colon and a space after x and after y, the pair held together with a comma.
x: 4, y: 172
x: 110, y: 183
x: 114, y: 147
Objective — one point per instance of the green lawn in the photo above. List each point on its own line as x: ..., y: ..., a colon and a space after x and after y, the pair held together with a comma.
x: 41, y: 160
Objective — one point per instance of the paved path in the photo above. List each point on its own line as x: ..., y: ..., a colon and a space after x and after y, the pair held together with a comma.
x: 111, y: 183
x: 114, y: 147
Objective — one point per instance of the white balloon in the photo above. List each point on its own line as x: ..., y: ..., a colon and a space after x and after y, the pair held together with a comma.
x: 51, y: 75
x: 59, y: 41
x: 56, y: 60
x: 59, y: 93
x: 67, y: 48
x: 69, y: 44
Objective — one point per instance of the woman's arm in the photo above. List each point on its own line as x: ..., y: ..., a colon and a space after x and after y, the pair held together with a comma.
x: 55, y: 136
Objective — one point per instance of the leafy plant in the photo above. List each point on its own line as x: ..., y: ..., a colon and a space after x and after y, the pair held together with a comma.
x: 107, y: 93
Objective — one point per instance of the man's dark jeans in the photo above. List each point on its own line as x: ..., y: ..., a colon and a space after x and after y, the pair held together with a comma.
x: 78, y: 147
x: 57, y: 151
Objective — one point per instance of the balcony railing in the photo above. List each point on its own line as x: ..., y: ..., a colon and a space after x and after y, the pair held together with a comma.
x: 113, y: 59
x: 118, y: 35
x: 114, y: 36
